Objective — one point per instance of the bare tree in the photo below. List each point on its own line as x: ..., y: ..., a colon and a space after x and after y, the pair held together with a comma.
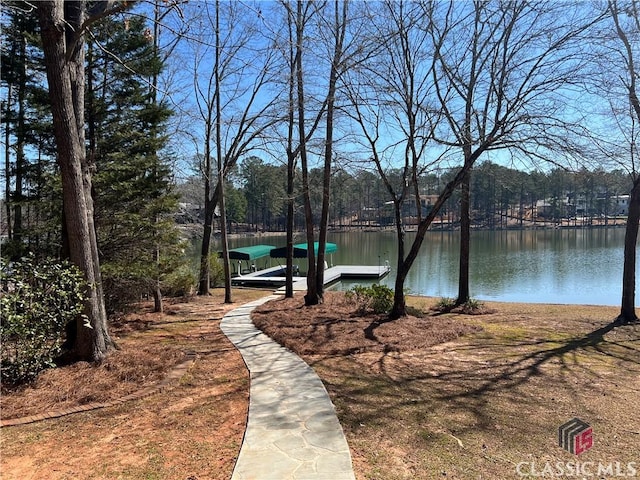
x: 626, y: 19
x: 346, y: 52
x: 329, y: 32
x: 290, y: 53
x: 505, y: 91
x: 301, y: 126
x: 508, y: 89
x: 390, y: 97
x: 303, y: 11
x: 234, y: 104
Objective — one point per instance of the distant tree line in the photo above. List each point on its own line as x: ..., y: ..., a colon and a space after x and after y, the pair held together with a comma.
x: 501, y: 197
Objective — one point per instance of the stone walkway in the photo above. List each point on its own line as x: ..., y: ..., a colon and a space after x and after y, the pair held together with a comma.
x: 292, y: 430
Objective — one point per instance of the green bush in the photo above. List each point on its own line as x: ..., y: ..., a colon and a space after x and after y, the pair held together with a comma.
x: 37, y: 300
x: 181, y: 282
x: 376, y: 298
x: 216, y: 271
x: 445, y: 304
x: 124, y: 285
x: 473, y: 307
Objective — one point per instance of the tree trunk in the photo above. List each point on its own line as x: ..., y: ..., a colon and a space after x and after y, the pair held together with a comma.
x: 324, y: 216
x: 311, y: 298
x: 220, y: 186
x: 210, y: 202
x: 7, y: 163
x: 627, y: 311
x: 291, y: 165
x: 203, y: 283
x: 399, y: 308
x: 209, y: 210
x: 336, y: 61
x: 465, y: 240
x: 21, y: 166
x: 158, y: 304
x: 65, y: 74
x: 290, y: 221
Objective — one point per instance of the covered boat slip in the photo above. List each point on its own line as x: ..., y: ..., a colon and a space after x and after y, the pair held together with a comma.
x: 250, y: 255
x: 275, y: 277
x: 300, y: 250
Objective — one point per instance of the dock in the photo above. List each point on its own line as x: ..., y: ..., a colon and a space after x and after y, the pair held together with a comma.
x: 269, y: 277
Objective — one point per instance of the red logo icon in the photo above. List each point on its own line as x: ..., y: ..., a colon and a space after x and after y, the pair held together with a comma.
x: 575, y: 436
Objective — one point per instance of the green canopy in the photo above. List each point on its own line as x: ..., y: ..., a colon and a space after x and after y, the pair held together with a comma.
x: 300, y: 250
x: 249, y: 253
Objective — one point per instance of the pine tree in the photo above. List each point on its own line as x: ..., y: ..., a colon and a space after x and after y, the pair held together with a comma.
x: 32, y: 205
x: 132, y: 182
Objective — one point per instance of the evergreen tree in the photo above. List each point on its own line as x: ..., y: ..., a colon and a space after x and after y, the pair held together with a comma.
x: 132, y: 182
x: 32, y: 207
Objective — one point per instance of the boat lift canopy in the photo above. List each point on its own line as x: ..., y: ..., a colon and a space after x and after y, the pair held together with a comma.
x: 300, y: 250
x: 249, y: 253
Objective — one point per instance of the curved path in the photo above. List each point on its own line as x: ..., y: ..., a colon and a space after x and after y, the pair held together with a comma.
x: 292, y: 430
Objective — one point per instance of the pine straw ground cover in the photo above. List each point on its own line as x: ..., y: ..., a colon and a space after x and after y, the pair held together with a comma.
x: 471, y: 397
x: 436, y: 396
x: 192, y: 431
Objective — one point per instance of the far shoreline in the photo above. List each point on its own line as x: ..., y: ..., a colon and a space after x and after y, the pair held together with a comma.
x: 194, y: 230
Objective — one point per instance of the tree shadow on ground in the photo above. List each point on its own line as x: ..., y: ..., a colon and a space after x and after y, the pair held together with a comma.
x: 530, y: 364
x: 471, y: 375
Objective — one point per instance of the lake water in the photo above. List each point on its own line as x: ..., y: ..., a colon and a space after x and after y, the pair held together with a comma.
x: 576, y: 266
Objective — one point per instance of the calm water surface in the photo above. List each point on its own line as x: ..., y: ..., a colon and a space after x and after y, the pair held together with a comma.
x: 537, y: 266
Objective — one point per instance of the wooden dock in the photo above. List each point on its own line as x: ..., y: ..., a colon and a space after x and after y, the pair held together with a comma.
x: 262, y: 278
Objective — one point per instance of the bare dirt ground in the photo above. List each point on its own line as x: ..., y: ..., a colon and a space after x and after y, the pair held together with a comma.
x: 191, y: 431
x: 433, y: 396
x: 472, y: 397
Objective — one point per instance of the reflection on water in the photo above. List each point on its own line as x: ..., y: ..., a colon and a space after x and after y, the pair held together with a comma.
x: 540, y: 266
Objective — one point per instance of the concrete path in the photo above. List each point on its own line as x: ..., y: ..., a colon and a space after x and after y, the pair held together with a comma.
x: 292, y: 430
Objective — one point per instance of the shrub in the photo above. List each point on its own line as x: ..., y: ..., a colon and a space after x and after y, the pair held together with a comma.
x: 470, y: 307
x: 445, y: 304
x: 473, y: 307
x: 376, y: 298
x: 216, y: 270
x: 182, y: 282
x: 124, y: 285
x: 37, y: 301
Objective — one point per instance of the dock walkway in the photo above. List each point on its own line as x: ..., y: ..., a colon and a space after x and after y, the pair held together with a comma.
x: 331, y: 275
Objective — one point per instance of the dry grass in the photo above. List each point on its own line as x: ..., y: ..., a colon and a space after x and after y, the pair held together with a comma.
x: 477, y: 404
x: 335, y: 328
x: 126, y: 370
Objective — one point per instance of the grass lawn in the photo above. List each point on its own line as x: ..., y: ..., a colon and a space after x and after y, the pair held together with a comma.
x: 480, y: 403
